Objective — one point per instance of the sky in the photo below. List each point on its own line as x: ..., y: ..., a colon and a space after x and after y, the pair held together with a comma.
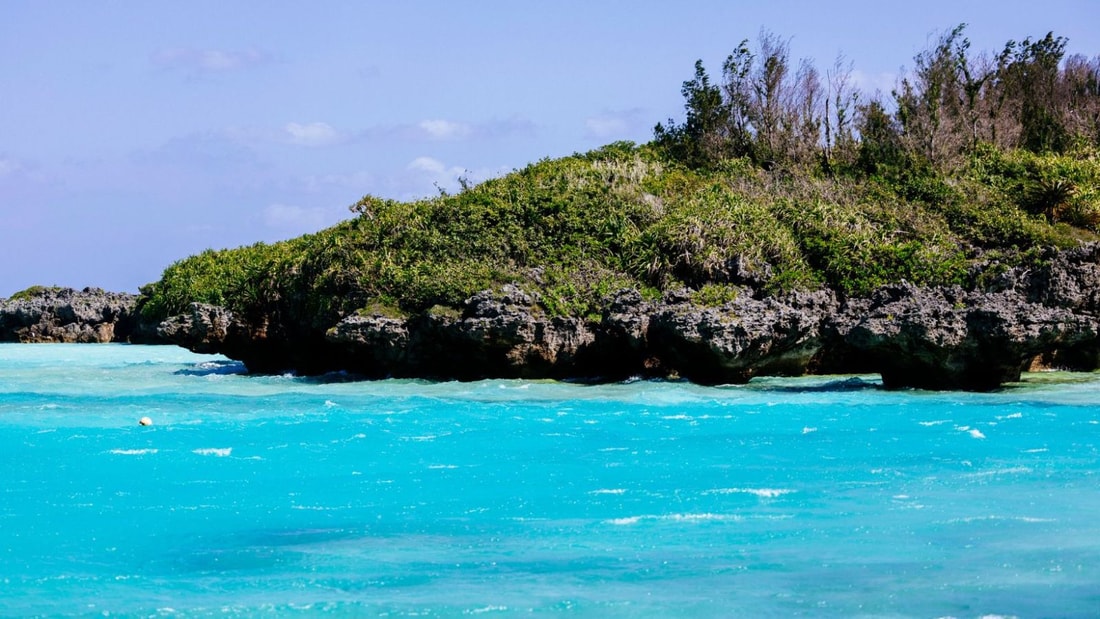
x: 134, y: 134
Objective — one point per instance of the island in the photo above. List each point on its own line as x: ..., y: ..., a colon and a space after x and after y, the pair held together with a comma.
x: 945, y: 238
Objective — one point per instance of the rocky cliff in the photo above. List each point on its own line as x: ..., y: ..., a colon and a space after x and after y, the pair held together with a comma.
x: 90, y: 315
x: 941, y: 338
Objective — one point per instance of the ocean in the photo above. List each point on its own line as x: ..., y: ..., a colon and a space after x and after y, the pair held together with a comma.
x: 283, y: 495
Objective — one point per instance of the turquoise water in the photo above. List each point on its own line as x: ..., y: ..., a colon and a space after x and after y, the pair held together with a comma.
x: 822, y: 497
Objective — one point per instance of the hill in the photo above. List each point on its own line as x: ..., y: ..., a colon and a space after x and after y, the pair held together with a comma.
x: 774, y: 190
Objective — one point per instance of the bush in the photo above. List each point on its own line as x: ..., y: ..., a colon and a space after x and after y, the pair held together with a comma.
x: 577, y: 229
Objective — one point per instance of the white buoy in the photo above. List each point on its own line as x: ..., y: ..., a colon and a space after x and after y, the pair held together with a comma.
x: 145, y: 421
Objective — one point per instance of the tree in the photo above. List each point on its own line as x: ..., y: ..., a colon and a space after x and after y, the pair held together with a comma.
x: 929, y: 101
x: 841, y: 103
x: 1080, y: 94
x: 1032, y: 78
x: 737, y: 88
x: 880, y: 144
x: 703, y: 138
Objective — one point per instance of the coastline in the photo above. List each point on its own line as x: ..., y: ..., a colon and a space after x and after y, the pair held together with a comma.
x: 926, y: 337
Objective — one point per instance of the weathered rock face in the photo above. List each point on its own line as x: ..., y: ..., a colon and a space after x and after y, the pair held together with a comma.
x: 497, y: 335
x: 744, y: 338
x: 74, y: 316
x: 940, y: 338
x: 507, y: 334
x: 947, y: 338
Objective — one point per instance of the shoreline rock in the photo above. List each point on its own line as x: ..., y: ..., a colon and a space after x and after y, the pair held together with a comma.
x: 66, y: 315
x: 945, y: 338
x: 942, y: 337
x: 925, y: 337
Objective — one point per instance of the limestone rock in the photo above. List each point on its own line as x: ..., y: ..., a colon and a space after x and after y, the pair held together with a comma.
x: 932, y: 337
x: 741, y: 339
x: 67, y: 315
x: 946, y: 338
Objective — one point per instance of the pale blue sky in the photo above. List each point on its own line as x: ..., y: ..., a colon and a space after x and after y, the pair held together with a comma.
x: 133, y: 134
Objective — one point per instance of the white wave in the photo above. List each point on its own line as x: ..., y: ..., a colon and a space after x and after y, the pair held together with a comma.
x: 133, y: 452
x: 1027, y: 519
x: 485, y: 609
x: 974, y: 432
x: 1036, y: 451
x: 938, y: 422
x: 609, y: 491
x: 438, y: 467
x: 1012, y: 416
x: 808, y: 430
x: 680, y: 417
x: 763, y: 493
x: 330, y: 404
x: 690, y: 517
x: 422, y: 439
x: 1016, y: 470
x: 220, y: 452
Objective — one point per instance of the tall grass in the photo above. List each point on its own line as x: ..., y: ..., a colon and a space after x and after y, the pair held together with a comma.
x: 576, y: 229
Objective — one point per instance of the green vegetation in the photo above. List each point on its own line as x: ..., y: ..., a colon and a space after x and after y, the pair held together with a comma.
x: 32, y: 292
x: 775, y: 180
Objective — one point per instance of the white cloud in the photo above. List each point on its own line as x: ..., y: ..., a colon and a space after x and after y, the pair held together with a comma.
x: 360, y: 180
x: 15, y: 170
x: 605, y: 126
x: 504, y: 128
x: 433, y: 167
x: 869, y: 84
x: 441, y: 130
x: 204, y: 150
x: 295, y: 218
x: 210, y: 60
x: 313, y: 134
x: 616, y: 125
x: 425, y: 176
x: 445, y: 129
x: 9, y: 167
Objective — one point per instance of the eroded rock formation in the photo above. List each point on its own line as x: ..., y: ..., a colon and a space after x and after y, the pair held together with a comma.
x: 938, y: 338
x: 67, y: 315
